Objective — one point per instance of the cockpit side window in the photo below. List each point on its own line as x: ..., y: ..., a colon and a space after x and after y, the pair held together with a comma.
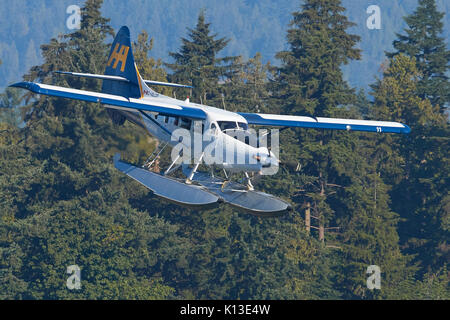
x: 213, y: 128
x: 243, y: 126
x: 226, y: 125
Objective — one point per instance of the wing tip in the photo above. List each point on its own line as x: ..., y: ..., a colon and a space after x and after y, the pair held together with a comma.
x: 26, y: 85
x: 406, y: 129
x: 23, y: 85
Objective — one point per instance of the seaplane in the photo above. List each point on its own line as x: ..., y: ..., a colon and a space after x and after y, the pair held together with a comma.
x: 127, y: 96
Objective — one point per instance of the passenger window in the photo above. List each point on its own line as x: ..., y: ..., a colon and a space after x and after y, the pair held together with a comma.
x: 186, y: 123
x: 176, y: 121
x: 166, y: 120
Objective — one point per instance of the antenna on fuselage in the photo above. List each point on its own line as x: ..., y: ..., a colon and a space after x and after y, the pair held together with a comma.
x: 223, y: 101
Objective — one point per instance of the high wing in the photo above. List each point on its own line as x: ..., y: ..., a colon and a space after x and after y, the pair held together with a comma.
x: 324, y: 123
x: 122, y: 88
x: 116, y: 101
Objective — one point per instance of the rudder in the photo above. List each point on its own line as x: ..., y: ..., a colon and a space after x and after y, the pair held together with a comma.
x: 121, y: 63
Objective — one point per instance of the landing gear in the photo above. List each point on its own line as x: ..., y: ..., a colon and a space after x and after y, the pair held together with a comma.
x: 191, y: 175
x: 153, y: 159
x: 246, y: 180
x: 174, y: 166
x: 249, y: 182
x: 226, y: 182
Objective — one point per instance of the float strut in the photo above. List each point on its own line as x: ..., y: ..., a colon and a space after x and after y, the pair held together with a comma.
x: 191, y: 175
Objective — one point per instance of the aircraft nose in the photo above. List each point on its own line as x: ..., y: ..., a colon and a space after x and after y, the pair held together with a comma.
x: 266, y: 158
x: 274, y: 159
x: 269, y: 160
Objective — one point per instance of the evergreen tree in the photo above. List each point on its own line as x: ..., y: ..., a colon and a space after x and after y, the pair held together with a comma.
x: 149, y: 68
x: 420, y: 194
x: 197, y: 63
x: 9, y: 107
x: 63, y: 203
x: 423, y: 42
x: 337, y: 177
x: 62, y: 191
x: 416, y: 165
x: 368, y: 230
x: 89, y: 41
x: 310, y: 79
x: 310, y: 82
x: 246, y: 90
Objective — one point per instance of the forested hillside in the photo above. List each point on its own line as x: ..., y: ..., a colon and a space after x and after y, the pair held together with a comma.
x: 252, y: 26
x: 358, y: 199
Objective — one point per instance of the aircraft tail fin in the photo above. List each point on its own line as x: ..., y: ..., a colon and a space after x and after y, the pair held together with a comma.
x: 121, y: 75
x: 121, y: 64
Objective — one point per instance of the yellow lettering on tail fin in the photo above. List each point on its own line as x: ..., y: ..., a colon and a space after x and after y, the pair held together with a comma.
x: 119, y: 55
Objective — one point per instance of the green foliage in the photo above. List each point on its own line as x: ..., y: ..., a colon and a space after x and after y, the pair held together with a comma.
x: 396, y: 96
x: 253, y: 26
x: 423, y: 42
x: 340, y: 182
x: 198, y: 63
x: 63, y: 203
x: 246, y: 90
x: 420, y: 183
x: 9, y: 107
x: 310, y: 80
x: 149, y: 68
x: 416, y: 90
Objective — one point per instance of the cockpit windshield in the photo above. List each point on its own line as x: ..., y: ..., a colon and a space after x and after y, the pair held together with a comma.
x: 227, y: 125
x: 239, y: 131
x: 243, y: 126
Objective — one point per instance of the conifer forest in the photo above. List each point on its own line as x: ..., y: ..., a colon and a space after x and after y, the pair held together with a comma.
x: 358, y: 199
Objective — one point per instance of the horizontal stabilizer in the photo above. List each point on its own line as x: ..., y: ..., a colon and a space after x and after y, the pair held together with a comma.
x: 166, y: 84
x: 93, y: 76
x: 122, y: 79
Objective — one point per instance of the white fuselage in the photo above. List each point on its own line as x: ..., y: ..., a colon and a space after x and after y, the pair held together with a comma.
x: 215, y: 138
